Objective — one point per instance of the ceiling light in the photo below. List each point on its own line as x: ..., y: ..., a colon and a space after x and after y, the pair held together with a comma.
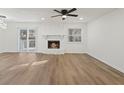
x: 64, y: 16
x: 81, y: 18
x: 43, y: 18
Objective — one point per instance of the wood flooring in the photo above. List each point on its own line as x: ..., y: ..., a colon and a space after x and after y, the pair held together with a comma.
x: 48, y: 69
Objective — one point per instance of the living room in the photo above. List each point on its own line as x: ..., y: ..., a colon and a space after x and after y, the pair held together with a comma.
x: 59, y: 44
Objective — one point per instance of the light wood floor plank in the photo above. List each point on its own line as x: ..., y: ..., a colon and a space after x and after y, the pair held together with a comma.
x: 66, y: 69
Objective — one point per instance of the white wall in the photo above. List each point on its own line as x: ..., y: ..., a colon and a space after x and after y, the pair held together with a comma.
x: 1, y: 40
x: 106, y: 39
x: 11, y: 35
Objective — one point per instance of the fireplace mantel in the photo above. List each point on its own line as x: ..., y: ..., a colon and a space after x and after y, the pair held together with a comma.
x: 54, y: 36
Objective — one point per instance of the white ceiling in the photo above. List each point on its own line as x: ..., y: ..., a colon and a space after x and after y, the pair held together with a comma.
x: 35, y: 14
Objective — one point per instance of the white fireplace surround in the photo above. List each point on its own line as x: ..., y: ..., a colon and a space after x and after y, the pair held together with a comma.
x: 54, y: 37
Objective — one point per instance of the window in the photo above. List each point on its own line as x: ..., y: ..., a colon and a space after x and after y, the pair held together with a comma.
x: 74, y: 35
x: 32, y: 38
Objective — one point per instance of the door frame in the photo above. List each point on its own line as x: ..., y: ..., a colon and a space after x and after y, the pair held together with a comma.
x: 18, y: 41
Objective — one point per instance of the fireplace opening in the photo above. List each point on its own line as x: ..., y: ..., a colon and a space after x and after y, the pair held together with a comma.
x: 54, y: 44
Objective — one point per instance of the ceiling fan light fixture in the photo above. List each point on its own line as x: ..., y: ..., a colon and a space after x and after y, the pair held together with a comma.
x: 65, y: 12
x: 64, y: 16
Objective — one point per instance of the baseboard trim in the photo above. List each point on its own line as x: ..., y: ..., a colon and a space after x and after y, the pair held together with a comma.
x: 104, y: 62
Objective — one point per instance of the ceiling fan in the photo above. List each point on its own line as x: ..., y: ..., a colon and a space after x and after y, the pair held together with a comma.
x: 64, y: 13
x: 2, y: 16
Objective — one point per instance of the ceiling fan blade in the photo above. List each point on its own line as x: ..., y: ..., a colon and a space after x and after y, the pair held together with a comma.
x: 57, y: 11
x: 73, y: 9
x: 2, y: 16
x: 56, y: 15
x: 73, y: 15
